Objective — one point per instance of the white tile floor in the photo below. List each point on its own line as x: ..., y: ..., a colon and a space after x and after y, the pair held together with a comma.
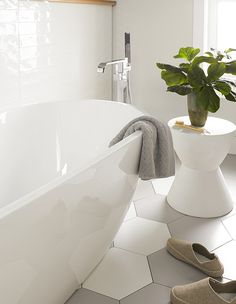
x: 138, y: 269
x: 119, y: 274
x: 142, y: 236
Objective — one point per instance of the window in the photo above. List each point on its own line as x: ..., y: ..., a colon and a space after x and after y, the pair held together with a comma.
x: 214, y: 24
x: 221, y: 24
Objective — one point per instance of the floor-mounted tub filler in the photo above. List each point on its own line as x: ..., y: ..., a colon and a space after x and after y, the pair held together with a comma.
x: 63, y: 195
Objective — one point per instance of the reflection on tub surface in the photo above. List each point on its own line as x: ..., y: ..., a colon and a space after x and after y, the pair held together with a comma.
x: 53, y: 237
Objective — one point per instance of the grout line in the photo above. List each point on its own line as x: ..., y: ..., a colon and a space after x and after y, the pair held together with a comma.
x: 114, y: 298
x: 162, y: 285
x: 144, y: 197
x: 101, y: 294
x: 130, y: 219
x: 227, y: 230
x: 135, y: 208
x: 169, y: 229
x: 142, y: 254
x: 137, y: 290
x: 94, y: 269
x: 73, y: 294
x: 150, y: 270
x: 175, y: 220
x: 228, y: 215
x: 130, y: 251
x: 153, y: 188
x: 221, y: 245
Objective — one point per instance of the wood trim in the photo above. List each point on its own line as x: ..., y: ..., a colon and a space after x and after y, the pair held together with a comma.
x: 99, y: 2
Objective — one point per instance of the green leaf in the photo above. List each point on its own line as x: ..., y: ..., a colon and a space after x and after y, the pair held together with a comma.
x: 229, y: 62
x: 187, y: 53
x: 231, y: 68
x: 201, y: 59
x: 215, y: 71
x: 214, y: 101
x: 209, y: 54
x: 168, y: 67
x: 196, y: 77
x: 231, y: 83
x: 223, y: 87
x: 173, y: 78
x: 181, y: 90
x: 230, y: 50
x: 219, y: 56
x: 184, y: 67
x: 231, y: 96
x: 202, y: 98
x: 208, y: 99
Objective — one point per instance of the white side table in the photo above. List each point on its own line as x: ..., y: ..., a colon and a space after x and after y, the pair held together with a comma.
x: 199, y: 188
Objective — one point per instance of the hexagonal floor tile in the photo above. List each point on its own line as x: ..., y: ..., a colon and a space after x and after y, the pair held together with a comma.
x: 168, y: 271
x: 209, y: 232
x: 131, y: 213
x: 119, y: 274
x: 85, y: 296
x: 227, y: 255
x: 144, y: 188
x: 151, y: 294
x: 142, y: 236
x: 162, y: 185
x: 156, y: 208
x: 230, y: 224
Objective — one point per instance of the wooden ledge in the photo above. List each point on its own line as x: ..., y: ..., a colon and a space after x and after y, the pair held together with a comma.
x: 99, y: 2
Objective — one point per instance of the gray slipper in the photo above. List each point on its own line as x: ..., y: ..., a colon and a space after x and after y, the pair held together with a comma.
x: 196, y: 255
x: 206, y: 291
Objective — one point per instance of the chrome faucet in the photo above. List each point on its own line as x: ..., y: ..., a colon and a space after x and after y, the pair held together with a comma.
x: 121, y: 77
x: 120, y: 65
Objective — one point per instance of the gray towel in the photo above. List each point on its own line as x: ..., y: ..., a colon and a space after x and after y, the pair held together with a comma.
x: 157, y: 153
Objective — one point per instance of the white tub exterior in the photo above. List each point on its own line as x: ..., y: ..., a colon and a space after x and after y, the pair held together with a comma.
x: 63, y: 194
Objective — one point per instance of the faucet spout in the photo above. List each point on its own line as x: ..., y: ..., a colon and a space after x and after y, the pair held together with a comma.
x: 102, y: 66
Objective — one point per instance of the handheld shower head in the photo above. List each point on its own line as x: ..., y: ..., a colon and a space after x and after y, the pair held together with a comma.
x: 127, y: 47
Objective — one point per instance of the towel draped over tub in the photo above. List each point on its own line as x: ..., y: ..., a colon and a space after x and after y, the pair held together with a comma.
x: 157, y: 152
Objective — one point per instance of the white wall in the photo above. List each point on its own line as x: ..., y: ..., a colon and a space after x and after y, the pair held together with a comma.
x: 158, y: 29
x: 50, y: 51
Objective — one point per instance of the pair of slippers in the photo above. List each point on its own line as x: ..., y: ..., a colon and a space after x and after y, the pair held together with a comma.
x: 206, y: 291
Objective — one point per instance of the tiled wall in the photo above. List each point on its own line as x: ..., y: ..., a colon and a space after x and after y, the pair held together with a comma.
x: 50, y: 51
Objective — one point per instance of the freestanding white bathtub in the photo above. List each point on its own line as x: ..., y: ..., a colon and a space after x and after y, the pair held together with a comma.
x: 63, y: 194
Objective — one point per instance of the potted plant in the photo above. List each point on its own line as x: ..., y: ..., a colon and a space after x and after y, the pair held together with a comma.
x: 200, y: 77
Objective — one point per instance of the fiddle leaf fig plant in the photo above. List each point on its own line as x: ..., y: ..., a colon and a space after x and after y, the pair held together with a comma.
x: 201, y: 75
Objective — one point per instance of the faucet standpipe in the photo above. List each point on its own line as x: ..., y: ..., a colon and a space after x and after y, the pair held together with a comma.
x: 120, y: 78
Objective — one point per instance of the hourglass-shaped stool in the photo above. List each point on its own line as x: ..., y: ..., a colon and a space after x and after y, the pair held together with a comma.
x: 199, y: 188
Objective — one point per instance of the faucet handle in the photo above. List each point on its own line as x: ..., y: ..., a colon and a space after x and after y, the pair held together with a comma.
x: 121, y: 65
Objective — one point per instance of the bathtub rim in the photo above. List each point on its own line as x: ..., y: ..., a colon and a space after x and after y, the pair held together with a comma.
x: 37, y: 193
x: 91, y: 100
